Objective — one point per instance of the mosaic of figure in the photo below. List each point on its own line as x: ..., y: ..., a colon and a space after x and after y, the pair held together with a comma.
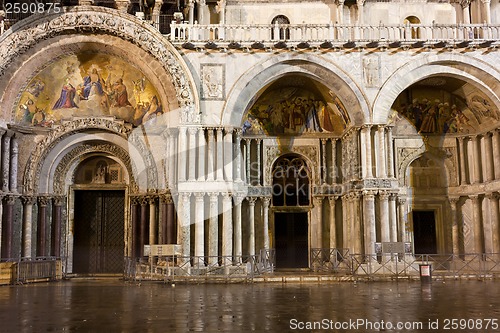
x: 292, y: 111
x: 88, y: 84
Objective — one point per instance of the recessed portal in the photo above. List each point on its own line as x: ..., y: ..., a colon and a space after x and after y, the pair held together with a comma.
x: 291, y: 231
x: 424, y: 232
x: 98, y: 231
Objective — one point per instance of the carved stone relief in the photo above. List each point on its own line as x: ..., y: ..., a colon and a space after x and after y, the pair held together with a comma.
x: 212, y: 81
x: 403, y: 158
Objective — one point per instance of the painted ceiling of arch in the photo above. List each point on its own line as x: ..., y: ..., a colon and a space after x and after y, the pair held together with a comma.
x: 88, y: 84
x: 434, y: 110
x: 295, y: 110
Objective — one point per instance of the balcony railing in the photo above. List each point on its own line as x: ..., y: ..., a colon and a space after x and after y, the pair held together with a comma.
x: 334, y: 33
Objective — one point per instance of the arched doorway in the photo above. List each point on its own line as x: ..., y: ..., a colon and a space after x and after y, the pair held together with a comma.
x: 279, y: 31
x: 415, y: 31
x: 99, y: 217
x: 291, y: 203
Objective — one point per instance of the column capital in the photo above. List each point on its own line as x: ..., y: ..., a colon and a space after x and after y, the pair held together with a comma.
x: 266, y: 201
x: 200, y: 196
x: 453, y: 200
x: 474, y: 198
x: 214, y: 197
x: 143, y: 200
x: 360, y: 2
x: 229, y: 130
x: 152, y: 199
x: 492, y: 195
x: 226, y: 196
x: 59, y: 200
x: 43, y: 200
x: 28, y: 199
x: 486, y: 2
x: 465, y: 3
x: 369, y: 194
x: 384, y: 195
x: 251, y: 200
x: 192, y: 130
x: 333, y: 200
x: 317, y: 200
x: 401, y: 200
x: 166, y: 198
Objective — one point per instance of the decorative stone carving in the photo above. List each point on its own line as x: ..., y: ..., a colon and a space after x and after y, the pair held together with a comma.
x: 350, y: 154
x: 404, y: 157
x: 311, y: 154
x: 212, y: 81
x: 371, y: 71
x: 97, y: 19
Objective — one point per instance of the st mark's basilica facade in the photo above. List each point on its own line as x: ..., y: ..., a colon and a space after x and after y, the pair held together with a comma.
x: 238, y: 128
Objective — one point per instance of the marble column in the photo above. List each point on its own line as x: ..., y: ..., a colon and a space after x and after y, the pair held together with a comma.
x: 134, y: 203
x: 402, y: 235
x: 265, y: 206
x: 201, y: 154
x: 333, y: 226
x: 211, y: 156
x: 393, y: 221
x: 463, y: 166
x: 486, y: 12
x: 476, y: 217
x: 238, y: 246
x: 384, y: 216
x: 228, y: 154
x: 213, y: 228
x: 163, y: 217
x: 251, y: 225
x: 487, y: 153
x: 340, y: 11
x: 237, y: 156
x: 369, y: 221
x: 477, y: 159
x: 356, y: 222
x: 346, y: 230
x: 248, y: 161
x: 490, y: 225
x: 184, y: 231
x: 191, y: 11
x: 496, y: 153
x: 317, y: 223
x: 495, y: 228
x: 41, y: 242
x: 192, y: 153
x: 6, y: 161
x: 172, y: 157
x: 28, y: 202
x: 220, y: 155
x: 360, y: 4
x: 227, y: 226
x: 152, y: 220
x: 171, y: 233
x: 199, y: 227
x: 334, y: 161
x: 142, y: 225
x: 182, y: 154
x: 14, y: 157
x: 465, y: 4
x: 323, y: 168
x: 454, y: 225
x: 381, y: 167
x: 390, y: 153
x: 8, y: 227
x: 366, y: 153
x: 259, y: 162
x: 57, y: 205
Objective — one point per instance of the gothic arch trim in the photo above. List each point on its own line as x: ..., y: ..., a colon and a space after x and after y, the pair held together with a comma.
x: 246, y: 90
x: 76, y: 153
x: 82, y: 19
x: 469, y: 69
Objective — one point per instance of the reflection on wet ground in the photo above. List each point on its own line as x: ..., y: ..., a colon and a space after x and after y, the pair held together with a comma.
x: 116, y: 306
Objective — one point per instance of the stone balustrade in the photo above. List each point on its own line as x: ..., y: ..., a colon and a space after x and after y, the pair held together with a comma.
x: 185, y: 32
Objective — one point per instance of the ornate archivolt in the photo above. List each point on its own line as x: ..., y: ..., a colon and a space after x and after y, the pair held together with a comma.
x: 43, y: 148
x: 271, y: 154
x: 99, y: 19
x: 64, y: 165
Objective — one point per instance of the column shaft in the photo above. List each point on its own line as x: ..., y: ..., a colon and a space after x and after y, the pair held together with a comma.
x: 199, y: 227
x: 184, y: 226
x: 41, y: 243
x: 251, y: 225
x: 476, y: 216
x: 393, y: 221
x: 496, y: 153
x: 213, y: 228
x: 237, y: 156
x: 227, y: 226
x: 220, y: 155
x: 142, y: 226
x: 369, y: 222
x: 390, y: 153
x: 210, y: 159
x: 454, y: 225
x: 238, y: 251
x: 5, y: 162
x: 192, y: 153
x: 384, y: 217
x: 463, y: 166
x: 14, y: 156
x: 381, y: 167
x: 201, y: 154
x: 57, y: 205
x: 265, y: 207
x: 182, y: 154
x: 333, y: 226
x: 317, y: 223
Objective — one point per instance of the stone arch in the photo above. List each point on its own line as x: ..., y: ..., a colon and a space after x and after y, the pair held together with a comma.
x: 473, y: 71
x: 77, y: 156
x: 43, y: 30
x: 307, y: 153
x: 41, y: 161
x: 246, y: 90
x: 446, y: 164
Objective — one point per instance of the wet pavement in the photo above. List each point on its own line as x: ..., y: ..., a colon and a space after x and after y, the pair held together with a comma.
x: 112, y: 305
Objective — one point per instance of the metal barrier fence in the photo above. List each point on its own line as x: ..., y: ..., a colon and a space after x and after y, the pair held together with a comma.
x: 407, y: 265
x: 37, y: 269
x: 330, y: 260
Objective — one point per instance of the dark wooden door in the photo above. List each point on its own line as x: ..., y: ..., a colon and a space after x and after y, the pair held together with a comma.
x: 291, y: 239
x: 424, y: 232
x: 98, y: 232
